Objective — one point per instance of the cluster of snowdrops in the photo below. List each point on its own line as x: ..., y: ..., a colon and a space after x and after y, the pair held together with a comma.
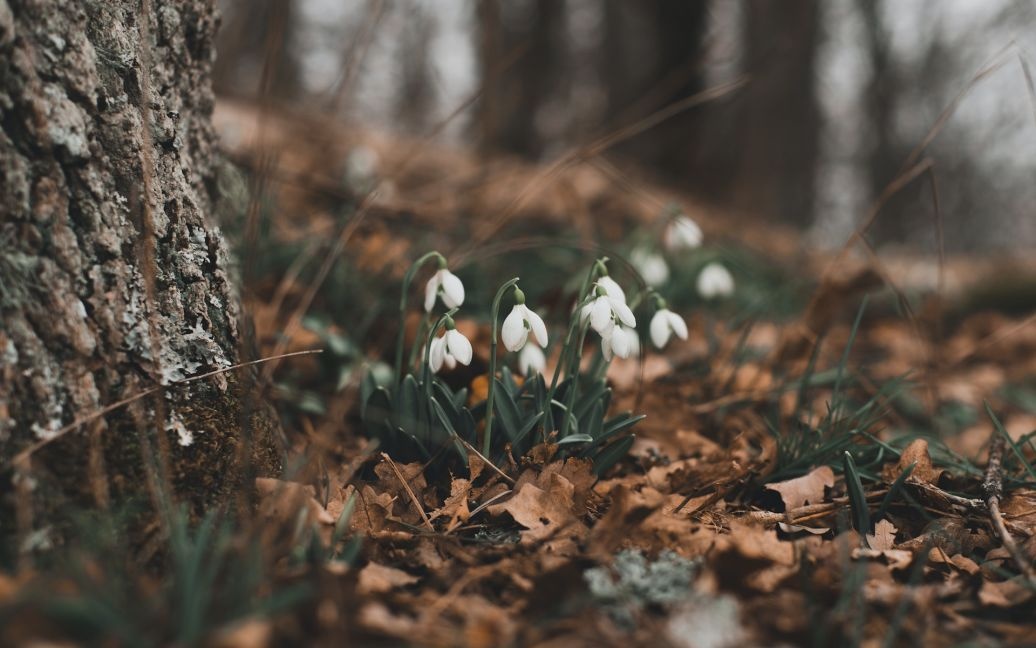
x: 418, y: 416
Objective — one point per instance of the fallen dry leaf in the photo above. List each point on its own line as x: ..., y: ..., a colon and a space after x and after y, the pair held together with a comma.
x: 915, y: 453
x: 884, y: 537
x: 375, y: 578
x: 544, y: 513
x: 807, y: 489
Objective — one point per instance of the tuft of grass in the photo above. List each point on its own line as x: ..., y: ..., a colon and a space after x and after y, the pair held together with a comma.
x: 208, y: 576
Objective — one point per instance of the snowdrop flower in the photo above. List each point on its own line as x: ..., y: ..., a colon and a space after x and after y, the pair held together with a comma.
x: 621, y: 341
x: 606, y: 308
x: 664, y: 323
x: 715, y: 281
x: 449, y: 349
x: 361, y: 167
x: 446, y: 285
x: 682, y: 234
x: 531, y: 359
x: 516, y: 326
x: 651, y: 266
x: 613, y: 288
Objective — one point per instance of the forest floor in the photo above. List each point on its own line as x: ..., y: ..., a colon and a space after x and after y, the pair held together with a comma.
x: 841, y: 452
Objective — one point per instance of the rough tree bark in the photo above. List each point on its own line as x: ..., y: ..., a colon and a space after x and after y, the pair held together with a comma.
x: 112, y: 278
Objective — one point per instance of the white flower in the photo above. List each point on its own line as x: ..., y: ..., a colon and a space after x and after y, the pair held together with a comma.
x: 515, y: 330
x: 606, y: 308
x: 446, y: 284
x: 682, y: 234
x: 361, y: 167
x: 664, y: 324
x: 531, y: 359
x: 715, y: 281
x: 612, y: 287
x: 448, y: 350
x: 651, y: 266
x: 620, y: 341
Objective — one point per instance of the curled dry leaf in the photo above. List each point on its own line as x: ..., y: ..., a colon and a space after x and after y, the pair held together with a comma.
x: 808, y: 489
x: 456, y: 505
x: 544, y: 513
x: 375, y: 579
x: 917, y: 454
x: 280, y: 502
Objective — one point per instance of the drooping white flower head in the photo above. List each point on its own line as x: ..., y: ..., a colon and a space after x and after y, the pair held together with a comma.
x: 531, y: 359
x: 682, y: 234
x: 651, y: 266
x: 621, y: 341
x: 715, y: 281
x: 613, y: 288
x: 516, y: 326
x: 446, y: 285
x: 449, y: 349
x: 664, y: 323
x: 606, y: 308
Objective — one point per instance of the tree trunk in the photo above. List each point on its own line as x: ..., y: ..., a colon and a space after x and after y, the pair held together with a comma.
x: 112, y: 279
x: 514, y: 95
x: 766, y: 141
x: 651, y: 58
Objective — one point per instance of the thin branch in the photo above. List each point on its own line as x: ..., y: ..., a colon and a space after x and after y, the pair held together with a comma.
x: 992, y: 486
x: 409, y: 491
x: 83, y: 420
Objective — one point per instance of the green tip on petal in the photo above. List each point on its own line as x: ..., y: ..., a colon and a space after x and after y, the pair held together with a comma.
x: 449, y: 324
x: 519, y: 296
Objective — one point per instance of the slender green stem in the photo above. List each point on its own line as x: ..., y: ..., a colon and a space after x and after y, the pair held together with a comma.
x: 408, y: 278
x: 494, y: 313
x: 422, y: 332
x: 573, y: 372
x: 581, y: 301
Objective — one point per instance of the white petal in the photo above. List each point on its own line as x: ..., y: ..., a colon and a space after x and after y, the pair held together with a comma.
x: 677, y: 324
x: 452, y: 289
x: 683, y: 234
x: 601, y: 314
x: 539, y: 329
x: 623, y: 312
x: 513, y: 331
x: 659, y: 329
x: 606, y: 348
x: 584, y: 312
x: 531, y: 359
x: 436, y: 354
x: 620, y: 343
x: 458, y: 346
x: 430, y: 290
x: 715, y: 281
x: 451, y: 362
x: 612, y: 288
x: 634, y: 340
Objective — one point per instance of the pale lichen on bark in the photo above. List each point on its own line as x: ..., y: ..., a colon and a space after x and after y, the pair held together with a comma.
x: 80, y: 322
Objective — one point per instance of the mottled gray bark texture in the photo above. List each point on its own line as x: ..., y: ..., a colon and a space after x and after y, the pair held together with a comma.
x: 112, y: 278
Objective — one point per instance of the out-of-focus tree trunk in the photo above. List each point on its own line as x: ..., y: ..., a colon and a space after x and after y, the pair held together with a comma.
x: 258, y: 54
x: 112, y: 278
x: 652, y: 57
x: 884, y: 156
x: 776, y: 117
x: 514, y: 95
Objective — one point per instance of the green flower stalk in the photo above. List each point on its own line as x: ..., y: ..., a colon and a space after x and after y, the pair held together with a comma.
x: 408, y: 278
x: 494, y: 313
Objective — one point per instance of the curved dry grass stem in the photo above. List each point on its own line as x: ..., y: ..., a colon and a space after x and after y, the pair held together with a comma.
x: 96, y: 414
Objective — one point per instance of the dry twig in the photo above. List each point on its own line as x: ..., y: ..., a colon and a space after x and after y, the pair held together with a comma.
x: 992, y: 486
